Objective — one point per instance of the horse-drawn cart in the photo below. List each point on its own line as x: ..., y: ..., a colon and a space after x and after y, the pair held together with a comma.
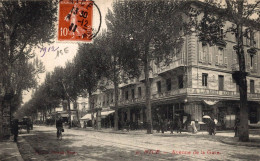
x: 25, y: 124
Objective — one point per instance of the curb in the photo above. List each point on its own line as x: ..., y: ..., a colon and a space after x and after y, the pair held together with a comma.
x: 113, y: 132
x: 247, y: 144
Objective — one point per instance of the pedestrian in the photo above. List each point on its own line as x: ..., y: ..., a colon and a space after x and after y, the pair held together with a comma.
x: 15, y: 129
x: 165, y: 123
x: 59, y: 126
x: 171, y: 126
x: 193, y: 126
x: 236, y: 126
x: 179, y: 125
x: 162, y: 125
x: 211, y: 126
x: 127, y: 123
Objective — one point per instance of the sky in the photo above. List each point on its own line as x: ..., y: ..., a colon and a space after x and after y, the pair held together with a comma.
x: 51, y: 59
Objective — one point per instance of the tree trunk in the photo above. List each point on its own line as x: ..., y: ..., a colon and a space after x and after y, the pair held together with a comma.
x: 115, y: 81
x: 116, y: 106
x: 77, y: 111
x: 91, y: 107
x: 69, y: 113
x: 243, y: 128
x: 148, y: 94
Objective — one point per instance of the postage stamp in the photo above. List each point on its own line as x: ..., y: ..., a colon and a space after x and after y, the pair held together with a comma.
x: 75, y: 20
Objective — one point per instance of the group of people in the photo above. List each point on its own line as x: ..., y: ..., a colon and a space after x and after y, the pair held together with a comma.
x: 164, y: 125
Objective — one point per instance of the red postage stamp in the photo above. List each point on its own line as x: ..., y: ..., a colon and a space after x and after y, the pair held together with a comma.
x: 75, y: 20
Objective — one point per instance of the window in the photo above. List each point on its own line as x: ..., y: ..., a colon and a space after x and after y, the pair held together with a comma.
x: 169, y: 84
x: 139, y: 91
x: 220, y: 55
x: 204, y: 79
x: 221, y: 59
x: 133, y: 93
x: 250, y: 41
x: 252, y: 86
x: 180, y: 81
x: 204, y: 52
x: 221, y: 82
x: 126, y: 95
x: 251, y: 60
x: 159, y: 86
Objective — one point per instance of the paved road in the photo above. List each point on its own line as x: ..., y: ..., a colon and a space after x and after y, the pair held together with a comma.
x: 92, y: 145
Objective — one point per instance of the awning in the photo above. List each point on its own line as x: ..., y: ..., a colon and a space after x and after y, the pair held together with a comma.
x: 88, y: 116
x: 210, y: 102
x: 105, y: 113
x: 64, y: 115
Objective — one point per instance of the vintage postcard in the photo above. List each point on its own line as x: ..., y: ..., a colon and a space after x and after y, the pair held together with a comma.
x: 129, y: 80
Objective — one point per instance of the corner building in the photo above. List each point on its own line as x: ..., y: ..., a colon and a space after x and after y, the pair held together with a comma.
x: 197, y: 82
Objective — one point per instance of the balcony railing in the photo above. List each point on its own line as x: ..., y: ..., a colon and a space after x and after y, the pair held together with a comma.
x: 142, y: 76
x: 189, y: 92
x: 174, y: 64
x: 129, y: 82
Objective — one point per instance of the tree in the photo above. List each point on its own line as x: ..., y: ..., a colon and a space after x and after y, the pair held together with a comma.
x: 24, y: 24
x: 90, y: 66
x: 239, y: 13
x: 148, y: 30
x: 70, y: 84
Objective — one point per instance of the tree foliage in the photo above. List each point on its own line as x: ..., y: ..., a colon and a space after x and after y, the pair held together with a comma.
x: 147, y: 30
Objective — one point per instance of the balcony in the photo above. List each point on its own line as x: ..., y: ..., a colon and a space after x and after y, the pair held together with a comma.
x: 129, y: 82
x: 142, y: 76
x: 124, y: 102
x: 173, y: 65
x: 197, y: 93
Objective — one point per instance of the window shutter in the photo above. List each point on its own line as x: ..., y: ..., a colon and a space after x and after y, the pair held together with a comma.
x: 207, y: 54
x: 234, y: 54
x: 256, y: 39
x: 225, y: 57
x: 215, y: 51
x: 255, y: 62
x: 210, y: 55
x: 225, y: 61
x: 200, y: 56
x: 255, y: 66
x: 216, y: 59
x: 249, y: 60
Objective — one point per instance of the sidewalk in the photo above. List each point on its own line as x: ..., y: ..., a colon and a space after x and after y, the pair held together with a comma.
x: 226, y: 137
x: 9, y: 151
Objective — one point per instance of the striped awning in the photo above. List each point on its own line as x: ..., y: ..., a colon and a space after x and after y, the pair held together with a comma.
x: 88, y: 116
x: 105, y: 113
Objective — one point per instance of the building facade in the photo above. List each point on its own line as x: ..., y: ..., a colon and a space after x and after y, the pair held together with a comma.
x: 199, y: 81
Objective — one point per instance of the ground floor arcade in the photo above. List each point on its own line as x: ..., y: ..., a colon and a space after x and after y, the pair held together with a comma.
x: 225, y: 111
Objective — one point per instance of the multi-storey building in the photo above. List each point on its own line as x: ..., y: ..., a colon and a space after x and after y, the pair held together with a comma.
x: 197, y: 82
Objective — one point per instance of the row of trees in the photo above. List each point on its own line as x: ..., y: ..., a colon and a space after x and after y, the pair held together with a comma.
x: 24, y: 24
x: 142, y: 32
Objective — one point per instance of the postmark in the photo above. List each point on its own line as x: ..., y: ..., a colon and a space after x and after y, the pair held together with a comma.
x: 76, y: 20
